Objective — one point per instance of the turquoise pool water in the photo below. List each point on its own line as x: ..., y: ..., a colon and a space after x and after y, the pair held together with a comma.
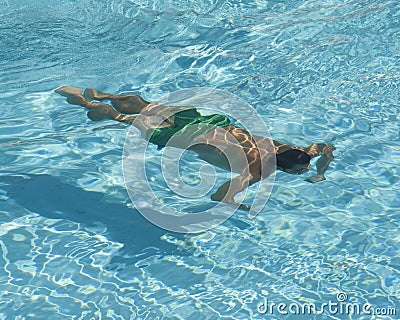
x: 72, y: 246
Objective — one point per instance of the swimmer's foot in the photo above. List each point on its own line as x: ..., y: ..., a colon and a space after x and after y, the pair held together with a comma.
x: 94, y: 94
x: 97, y: 111
x: 103, y: 112
x: 74, y: 96
x: 67, y: 91
x: 128, y: 104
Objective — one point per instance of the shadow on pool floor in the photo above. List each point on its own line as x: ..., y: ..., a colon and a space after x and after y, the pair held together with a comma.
x: 52, y: 198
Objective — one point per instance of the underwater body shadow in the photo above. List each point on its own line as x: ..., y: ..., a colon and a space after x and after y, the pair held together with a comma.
x: 52, y: 198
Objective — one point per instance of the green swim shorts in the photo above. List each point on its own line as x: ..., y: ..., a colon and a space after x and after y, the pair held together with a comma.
x: 186, y: 119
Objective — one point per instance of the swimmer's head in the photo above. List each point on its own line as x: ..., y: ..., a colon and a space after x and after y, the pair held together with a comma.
x: 293, y: 161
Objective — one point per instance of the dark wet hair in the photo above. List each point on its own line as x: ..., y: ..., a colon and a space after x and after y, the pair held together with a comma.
x: 289, y: 158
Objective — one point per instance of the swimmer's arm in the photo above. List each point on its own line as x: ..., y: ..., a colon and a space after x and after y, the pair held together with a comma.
x: 229, y: 189
x: 326, y: 152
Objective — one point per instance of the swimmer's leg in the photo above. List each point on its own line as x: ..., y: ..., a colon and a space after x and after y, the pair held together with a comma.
x: 74, y: 96
x: 128, y: 104
x: 97, y: 111
x: 103, y: 111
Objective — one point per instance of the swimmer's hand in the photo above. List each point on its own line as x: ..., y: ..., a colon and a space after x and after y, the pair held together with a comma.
x: 229, y: 189
x: 315, y: 179
x: 244, y: 207
x: 240, y: 206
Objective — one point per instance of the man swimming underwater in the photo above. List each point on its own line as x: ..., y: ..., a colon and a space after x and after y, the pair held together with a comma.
x: 159, y: 123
